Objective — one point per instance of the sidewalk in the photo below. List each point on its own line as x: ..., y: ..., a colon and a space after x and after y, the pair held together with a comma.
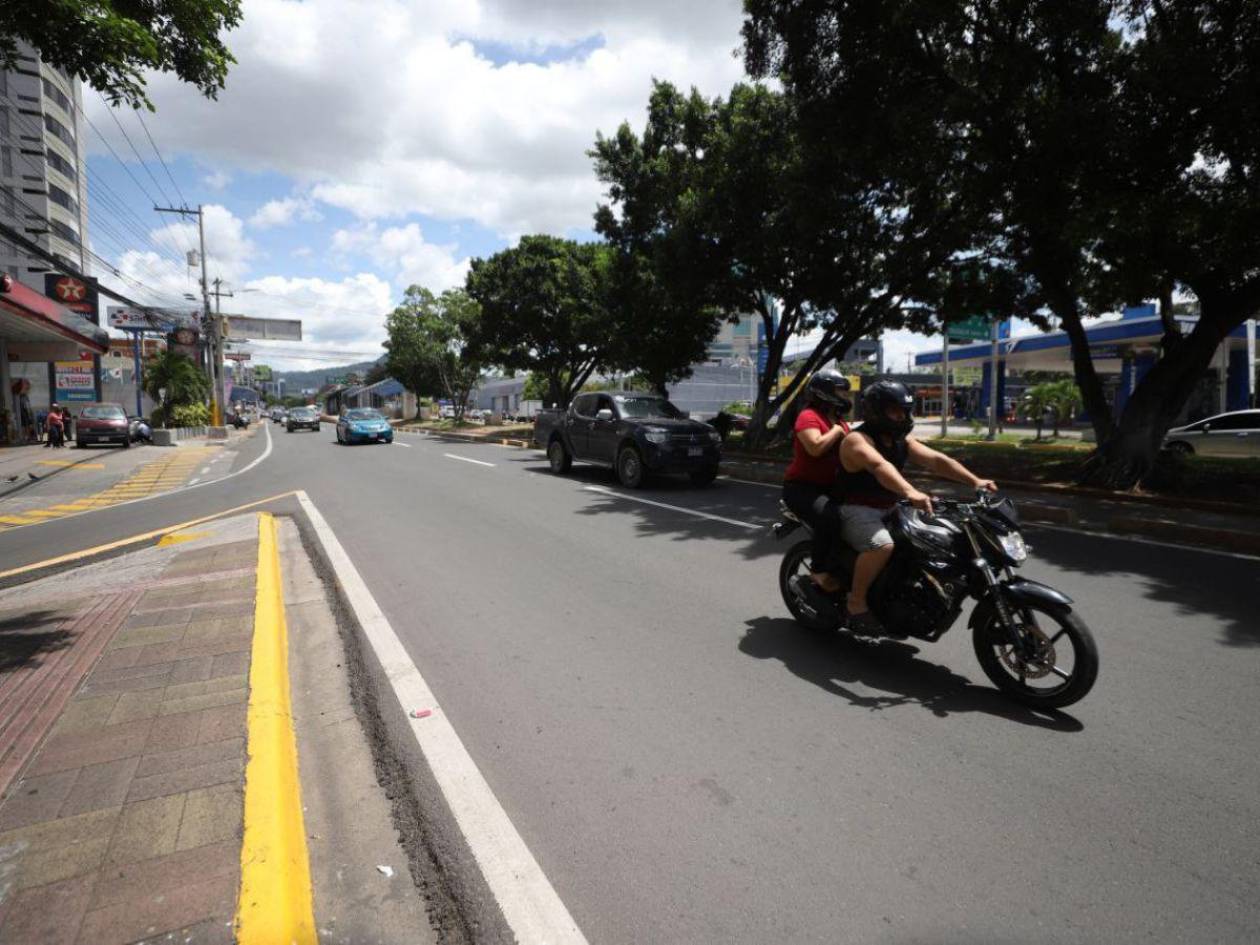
x: 126, y: 726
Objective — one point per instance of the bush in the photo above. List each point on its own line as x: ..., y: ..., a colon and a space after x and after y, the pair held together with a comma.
x: 190, y: 415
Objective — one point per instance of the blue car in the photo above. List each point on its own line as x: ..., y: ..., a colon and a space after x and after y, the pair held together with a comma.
x: 364, y: 425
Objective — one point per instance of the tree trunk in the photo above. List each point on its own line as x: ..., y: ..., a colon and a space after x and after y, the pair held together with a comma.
x: 1092, y: 396
x: 1128, y: 456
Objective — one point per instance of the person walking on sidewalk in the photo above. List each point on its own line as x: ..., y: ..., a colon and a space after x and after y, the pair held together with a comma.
x: 56, y: 428
x: 811, y: 477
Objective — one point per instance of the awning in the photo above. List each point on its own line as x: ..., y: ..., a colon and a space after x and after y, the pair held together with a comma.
x: 39, y: 329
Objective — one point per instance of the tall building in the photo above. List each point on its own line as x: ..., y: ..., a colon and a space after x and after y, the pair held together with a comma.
x: 43, y: 166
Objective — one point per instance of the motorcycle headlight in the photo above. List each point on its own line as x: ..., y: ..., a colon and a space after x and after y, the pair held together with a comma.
x: 1013, y: 546
x: 656, y: 436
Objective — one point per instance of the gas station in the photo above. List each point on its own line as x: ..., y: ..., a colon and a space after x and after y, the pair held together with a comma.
x: 1123, y: 351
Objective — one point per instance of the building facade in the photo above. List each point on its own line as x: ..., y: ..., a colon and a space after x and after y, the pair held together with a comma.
x: 43, y: 166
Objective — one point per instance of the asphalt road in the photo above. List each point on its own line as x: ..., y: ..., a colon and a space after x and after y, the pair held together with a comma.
x: 687, y: 766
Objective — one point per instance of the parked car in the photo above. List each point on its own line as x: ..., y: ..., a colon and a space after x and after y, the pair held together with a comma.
x: 635, y: 434
x: 102, y: 423
x: 1226, y: 434
x: 364, y: 425
x: 302, y: 418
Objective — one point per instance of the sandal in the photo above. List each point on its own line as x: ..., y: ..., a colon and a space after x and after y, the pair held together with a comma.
x: 813, y: 596
x: 865, y: 624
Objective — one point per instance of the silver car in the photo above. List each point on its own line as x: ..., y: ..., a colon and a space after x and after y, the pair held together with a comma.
x: 1226, y: 434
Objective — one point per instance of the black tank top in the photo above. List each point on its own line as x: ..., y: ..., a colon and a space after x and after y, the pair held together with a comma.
x: 862, y: 488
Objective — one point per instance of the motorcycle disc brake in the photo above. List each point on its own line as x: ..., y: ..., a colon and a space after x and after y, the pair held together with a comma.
x: 1040, y: 664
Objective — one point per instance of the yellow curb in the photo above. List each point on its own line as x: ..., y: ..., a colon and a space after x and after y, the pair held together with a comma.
x: 275, y: 900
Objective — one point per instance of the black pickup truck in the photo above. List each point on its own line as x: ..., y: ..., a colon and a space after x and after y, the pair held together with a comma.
x: 635, y: 434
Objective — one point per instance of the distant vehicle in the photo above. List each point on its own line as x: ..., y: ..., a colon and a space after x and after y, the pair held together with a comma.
x: 278, y: 414
x: 635, y: 434
x: 364, y: 425
x: 302, y: 418
x: 102, y: 423
x: 447, y: 413
x: 1235, y: 434
x: 238, y: 420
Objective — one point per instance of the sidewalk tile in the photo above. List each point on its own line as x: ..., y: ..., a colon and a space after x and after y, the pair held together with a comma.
x: 186, y: 779
x: 103, y: 785
x: 191, y: 757
x: 160, y: 915
x: 167, y: 616
x: 220, y: 722
x: 136, y: 705
x: 205, y: 701
x: 225, y: 644
x: 205, y: 687
x: 157, y: 875
x: 144, y: 636
x: 229, y: 664
x: 74, y: 859
x: 37, y: 799
x: 76, y: 749
x: 146, y: 829
x: 104, y: 673
x: 195, y: 669
x: 135, y: 683
x: 47, y: 915
x: 211, y: 815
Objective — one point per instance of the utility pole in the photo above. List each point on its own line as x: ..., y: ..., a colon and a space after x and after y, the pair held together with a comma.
x: 211, y: 328
x: 218, y: 329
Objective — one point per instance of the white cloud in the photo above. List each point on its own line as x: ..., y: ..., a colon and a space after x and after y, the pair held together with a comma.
x: 404, y: 252
x: 217, y: 180
x: 423, y: 123
x: 283, y: 212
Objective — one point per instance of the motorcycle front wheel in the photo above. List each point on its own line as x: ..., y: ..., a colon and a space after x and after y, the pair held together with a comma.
x: 1059, y: 666
x: 796, y: 561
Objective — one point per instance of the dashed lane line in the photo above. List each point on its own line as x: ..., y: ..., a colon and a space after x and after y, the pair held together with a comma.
x: 466, y: 459
x: 673, y: 508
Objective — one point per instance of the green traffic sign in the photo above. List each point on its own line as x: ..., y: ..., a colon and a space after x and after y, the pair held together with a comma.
x: 975, y: 328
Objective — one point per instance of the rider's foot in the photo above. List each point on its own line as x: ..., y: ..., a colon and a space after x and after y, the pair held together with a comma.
x: 862, y: 621
x: 811, y: 595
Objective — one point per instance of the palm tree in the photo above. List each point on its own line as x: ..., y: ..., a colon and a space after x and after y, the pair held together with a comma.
x: 173, y: 380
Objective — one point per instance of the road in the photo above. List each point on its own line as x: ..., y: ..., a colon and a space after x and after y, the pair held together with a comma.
x: 687, y: 766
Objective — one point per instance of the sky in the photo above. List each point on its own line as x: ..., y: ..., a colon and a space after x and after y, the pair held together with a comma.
x: 361, y: 146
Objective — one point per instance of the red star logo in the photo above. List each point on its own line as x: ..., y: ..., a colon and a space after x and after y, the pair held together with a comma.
x: 70, y: 290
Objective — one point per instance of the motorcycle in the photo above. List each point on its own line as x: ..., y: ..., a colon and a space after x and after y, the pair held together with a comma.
x: 1028, y: 639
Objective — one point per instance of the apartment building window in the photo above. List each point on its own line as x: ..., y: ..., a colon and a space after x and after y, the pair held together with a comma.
x: 58, y: 130
x: 4, y: 120
x: 58, y: 96
x: 62, y: 199
x: 58, y: 163
x: 6, y: 162
x: 7, y: 202
x: 66, y: 233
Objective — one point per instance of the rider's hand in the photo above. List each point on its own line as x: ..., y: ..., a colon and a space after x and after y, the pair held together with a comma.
x: 921, y: 501
x: 988, y: 485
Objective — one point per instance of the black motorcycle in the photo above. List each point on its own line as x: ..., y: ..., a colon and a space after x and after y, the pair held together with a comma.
x: 1027, y: 637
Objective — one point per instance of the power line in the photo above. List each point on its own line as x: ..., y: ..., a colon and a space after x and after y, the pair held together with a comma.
x: 153, y: 143
x: 130, y: 144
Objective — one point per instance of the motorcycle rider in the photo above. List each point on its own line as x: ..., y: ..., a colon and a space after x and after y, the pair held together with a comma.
x: 870, y: 481
x: 811, y: 477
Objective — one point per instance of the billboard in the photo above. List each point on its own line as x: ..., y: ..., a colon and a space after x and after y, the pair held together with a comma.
x: 154, y: 319
x: 81, y: 297
x: 184, y: 341
x: 242, y: 327
x: 74, y: 382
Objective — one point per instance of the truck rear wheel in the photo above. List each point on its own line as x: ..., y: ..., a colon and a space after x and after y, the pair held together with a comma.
x: 559, y: 458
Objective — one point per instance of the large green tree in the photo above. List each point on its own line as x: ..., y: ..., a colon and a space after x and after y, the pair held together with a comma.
x: 1106, y: 150
x: 110, y: 44
x: 428, y: 345
x: 543, y: 309
x: 736, y: 214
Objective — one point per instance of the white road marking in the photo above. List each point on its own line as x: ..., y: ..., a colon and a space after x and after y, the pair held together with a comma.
x: 398, y: 442
x: 749, y: 482
x: 672, y: 508
x: 1076, y: 530
x: 466, y: 459
x: 194, y: 480
x: 525, y: 896
x: 204, y: 470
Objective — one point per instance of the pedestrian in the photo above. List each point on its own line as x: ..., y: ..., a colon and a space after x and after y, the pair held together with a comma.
x: 56, y: 428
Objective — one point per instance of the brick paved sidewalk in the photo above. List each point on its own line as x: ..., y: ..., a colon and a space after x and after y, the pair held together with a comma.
x: 125, y: 822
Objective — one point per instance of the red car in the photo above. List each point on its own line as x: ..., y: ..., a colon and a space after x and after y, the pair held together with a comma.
x: 102, y: 423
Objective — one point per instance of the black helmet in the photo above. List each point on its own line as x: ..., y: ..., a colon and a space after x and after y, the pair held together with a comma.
x: 876, y: 400
x: 828, y: 387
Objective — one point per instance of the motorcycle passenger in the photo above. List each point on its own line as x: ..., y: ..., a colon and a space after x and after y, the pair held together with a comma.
x: 811, y: 477
x: 871, y: 482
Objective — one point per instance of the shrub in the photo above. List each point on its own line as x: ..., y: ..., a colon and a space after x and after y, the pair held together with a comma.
x: 190, y: 415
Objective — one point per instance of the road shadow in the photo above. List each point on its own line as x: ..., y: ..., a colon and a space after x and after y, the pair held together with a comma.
x: 740, y: 504
x: 26, y: 637
x: 830, y: 660
x: 1194, y: 583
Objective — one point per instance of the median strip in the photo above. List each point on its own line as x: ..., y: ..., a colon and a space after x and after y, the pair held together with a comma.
x: 275, y: 899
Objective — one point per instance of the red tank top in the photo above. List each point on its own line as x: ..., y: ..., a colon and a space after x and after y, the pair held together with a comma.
x: 817, y: 470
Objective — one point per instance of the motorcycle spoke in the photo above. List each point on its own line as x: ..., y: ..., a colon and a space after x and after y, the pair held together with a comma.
x: 1060, y: 673
x: 1055, y: 639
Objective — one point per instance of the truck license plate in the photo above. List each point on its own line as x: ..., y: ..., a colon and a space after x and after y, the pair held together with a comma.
x: 695, y: 451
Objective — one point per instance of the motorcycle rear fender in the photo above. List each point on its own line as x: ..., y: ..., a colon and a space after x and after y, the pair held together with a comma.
x: 1020, y: 590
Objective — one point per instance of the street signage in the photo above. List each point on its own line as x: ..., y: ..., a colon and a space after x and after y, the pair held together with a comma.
x: 75, y: 381
x: 237, y: 356
x: 975, y: 328
x: 155, y: 319
x: 242, y: 327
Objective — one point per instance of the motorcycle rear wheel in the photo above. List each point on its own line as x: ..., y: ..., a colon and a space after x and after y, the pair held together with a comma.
x: 1015, y: 677
x: 796, y: 561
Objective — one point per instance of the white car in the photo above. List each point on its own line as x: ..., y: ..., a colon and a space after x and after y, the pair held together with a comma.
x: 1226, y: 434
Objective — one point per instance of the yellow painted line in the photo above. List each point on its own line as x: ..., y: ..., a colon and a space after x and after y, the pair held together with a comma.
x: 176, y: 538
x: 42, y: 513
x: 70, y: 464
x: 275, y: 901
x: 16, y: 520
x: 143, y: 536
x: 72, y: 507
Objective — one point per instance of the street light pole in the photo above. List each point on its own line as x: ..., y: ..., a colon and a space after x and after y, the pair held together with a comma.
x: 212, y: 329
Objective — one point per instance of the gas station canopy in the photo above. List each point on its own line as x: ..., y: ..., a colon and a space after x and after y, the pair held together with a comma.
x: 38, y: 329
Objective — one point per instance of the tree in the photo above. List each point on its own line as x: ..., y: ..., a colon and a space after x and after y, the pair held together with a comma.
x: 1111, y: 146
x: 109, y: 44
x: 173, y: 381
x: 428, y: 345
x: 543, y: 309
x: 733, y: 213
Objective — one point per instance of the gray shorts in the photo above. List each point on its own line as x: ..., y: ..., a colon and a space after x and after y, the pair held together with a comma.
x: 863, y: 527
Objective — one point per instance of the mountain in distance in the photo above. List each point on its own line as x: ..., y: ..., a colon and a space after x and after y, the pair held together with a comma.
x: 301, y: 380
